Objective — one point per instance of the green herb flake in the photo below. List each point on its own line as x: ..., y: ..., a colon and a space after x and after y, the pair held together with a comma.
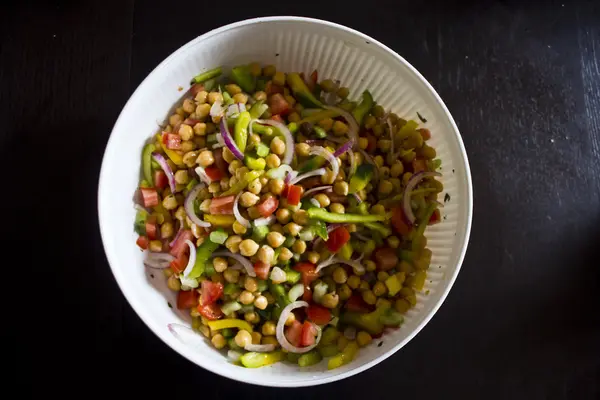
x: 423, y: 120
x: 446, y: 197
x: 169, y: 304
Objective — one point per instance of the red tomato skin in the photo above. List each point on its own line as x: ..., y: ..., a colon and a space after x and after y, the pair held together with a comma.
x: 337, y: 239
x: 293, y: 195
x: 318, y: 314
x: 178, y: 265
x: 142, y: 242
x: 151, y: 230
x: 173, y: 141
x: 214, y: 173
x: 268, y: 206
x: 187, y: 299
x: 293, y: 333
x: 308, y: 334
x: 149, y: 197
x: 357, y: 304
x: 436, y: 217
x: 262, y: 270
x: 222, y: 205
x: 210, y: 292
x: 160, y: 179
x: 179, y: 247
x: 210, y: 311
x: 278, y: 104
x: 308, y: 271
x: 398, y: 221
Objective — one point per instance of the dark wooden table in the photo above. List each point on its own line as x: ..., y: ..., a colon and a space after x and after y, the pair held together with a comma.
x: 522, y: 79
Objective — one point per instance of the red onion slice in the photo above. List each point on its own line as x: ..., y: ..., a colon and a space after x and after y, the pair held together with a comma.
x: 158, y: 260
x: 289, y: 139
x: 350, y: 333
x: 202, y: 175
x: 290, y: 175
x: 315, y: 203
x: 260, y: 348
x: 281, y: 325
x: 192, y: 260
x: 216, y: 109
x: 343, y: 148
x: 410, y: 185
x: 264, y: 221
x: 168, y: 171
x: 241, y: 259
x: 352, y: 124
x: 233, y: 355
x: 235, y: 109
x: 327, y: 188
x: 236, y: 212
x: 355, y: 264
x: 189, y: 206
x: 352, y: 170
x: 357, y: 198
x: 172, y: 243
x: 279, y: 172
x: 333, y: 227
x: 326, y: 263
x: 326, y: 154
x: 299, y: 178
x: 229, y: 142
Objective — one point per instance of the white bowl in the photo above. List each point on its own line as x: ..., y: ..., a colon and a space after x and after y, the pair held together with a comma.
x: 291, y: 44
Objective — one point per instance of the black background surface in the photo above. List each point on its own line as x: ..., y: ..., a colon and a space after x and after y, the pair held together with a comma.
x: 522, y: 80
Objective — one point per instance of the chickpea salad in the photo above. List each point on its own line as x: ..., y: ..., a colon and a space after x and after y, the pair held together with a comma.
x: 288, y: 218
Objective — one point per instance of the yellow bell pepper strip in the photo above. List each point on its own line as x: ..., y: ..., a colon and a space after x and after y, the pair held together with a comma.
x: 173, y: 155
x: 301, y: 91
x: 407, y: 129
x: 242, y: 183
x: 230, y: 323
x: 147, y: 162
x: 257, y: 360
x: 345, y: 357
x: 240, y: 133
x: 322, y: 215
x: 366, y: 104
x: 346, y: 251
x: 419, y: 280
x: 393, y: 284
x: 210, y: 74
x: 220, y: 221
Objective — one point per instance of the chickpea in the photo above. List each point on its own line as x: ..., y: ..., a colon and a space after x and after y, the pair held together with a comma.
x: 170, y: 202
x: 302, y: 149
x: 363, y: 286
x: 261, y: 302
x: 369, y: 297
x: 378, y: 209
x: 343, y: 92
x: 385, y: 187
x: 270, y: 298
x: 233, y: 243
x: 406, y: 177
x: 218, y: 341
x: 250, y: 284
x: 354, y: 282
x: 256, y: 337
x: 313, y: 257
x: 397, y: 169
x: 253, y: 213
x: 241, y: 172
x: 293, y: 117
x: 277, y: 228
x: 340, y: 275
x: 166, y: 230
x: 285, y: 254
x: 268, y: 328
x: 382, y: 276
x: 214, y: 187
x: 279, y: 78
x: 181, y: 177
x: 255, y: 186
x: 266, y: 254
x: 276, y: 185
x: 275, y: 239
x: 341, y: 188
x: 243, y: 338
x: 363, y: 338
x: 247, y: 298
x: 220, y: 264
x: 331, y: 300
x: 260, y: 96
x: 233, y: 89
x: 277, y: 146
x: 206, y: 158
x: 292, y: 228
x: 231, y: 275
x: 393, y: 242
x: 283, y: 215
x: 340, y: 128
x: 379, y: 289
x: 402, y: 305
x: 201, y: 97
x: 202, y: 111
x: 187, y: 145
x: 337, y: 208
x: 299, y: 246
x: 173, y: 283
x: 248, y: 248
x: 273, y: 161
x: 290, y: 319
x: 363, y: 143
x: 248, y: 199
x: 322, y: 199
x: 344, y: 292
x: 240, y: 98
x: 327, y: 178
x: 214, y: 97
x: 175, y: 119
x: 189, y: 158
x: 326, y: 124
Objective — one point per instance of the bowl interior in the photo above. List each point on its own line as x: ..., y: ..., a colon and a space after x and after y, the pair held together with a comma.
x: 291, y: 44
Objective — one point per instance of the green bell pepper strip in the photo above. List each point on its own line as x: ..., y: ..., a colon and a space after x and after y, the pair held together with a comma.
x: 233, y: 345
x: 364, y: 107
x: 230, y: 323
x: 242, y: 76
x: 230, y: 288
x: 301, y: 91
x: 330, y: 336
x: 318, y: 116
x: 293, y: 357
x: 257, y: 360
x: 407, y: 129
x: 345, y: 357
x: 329, y: 350
x: 382, y: 229
x: 319, y: 132
x: 418, y: 233
x: 240, y: 132
x: 210, y: 74
x: 292, y: 276
x: 203, y: 253
x: 262, y: 150
x: 190, y: 186
x: 311, y: 164
x: 258, y: 109
x: 262, y: 129
x: 311, y: 358
x: 280, y: 294
x: 293, y: 127
x: 147, y: 162
x: 242, y: 183
x: 361, y: 178
x: 256, y: 164
x: 228, y: 333
x: 231, y: 307
x: 323, y: 215
x: 140, y: 222
x: 259, y: 233
x: 407, y: 255
x: 219, y: 236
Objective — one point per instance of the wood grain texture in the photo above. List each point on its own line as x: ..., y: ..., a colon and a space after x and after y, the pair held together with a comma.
x: 521, y: 79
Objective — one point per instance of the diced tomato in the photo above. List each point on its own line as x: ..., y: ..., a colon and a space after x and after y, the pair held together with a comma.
x: 219, y: 161
x: 372, y: 143
x: 277, y: 118
x: 187, y: 299
x: 398, y: 221
x: 293, y: 195
x: 308, y: 271
x: 196, y: 88
x: 419, y: 165
x: 312, y: 81
x: 307, y: 295
x: 425, y: 133
x: 151, y: 230
x: 436, y: 217
x: 278, y: 104
x: 293, y: 333
x: 357, y: 304
x: 214, y: 173
x: 173, y: 141
x: 142, y: 242
x: 262, y: 270
x: 285, y: 191
x: 272, y: 88
x: 222, y: 205
x: 318, y: 314
x: 149, y: 197
x: 337, y: 238
x: 210, y: 311
x: 160, y: 179
x: 178, y: 265
x: 308, y: 334
x: 210, y: 292
x: 179, y: 247
x: 268, y: 206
